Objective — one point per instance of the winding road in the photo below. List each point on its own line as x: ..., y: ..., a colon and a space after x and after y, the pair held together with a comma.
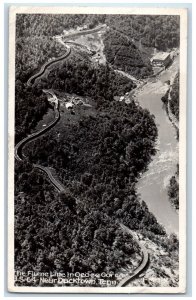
x: 18, y: 148
x: 19, y: 155
x: 57, y: 185
x: 46, y: 65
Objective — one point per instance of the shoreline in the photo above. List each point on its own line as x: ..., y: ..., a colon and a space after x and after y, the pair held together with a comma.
x: 156, y: 165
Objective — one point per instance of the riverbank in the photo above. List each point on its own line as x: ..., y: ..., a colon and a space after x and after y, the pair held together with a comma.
x: 152, y: 186
x: 171, y: 103
x: 171, y: 116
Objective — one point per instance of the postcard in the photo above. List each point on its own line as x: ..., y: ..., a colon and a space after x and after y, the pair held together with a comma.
x: 97, y: 150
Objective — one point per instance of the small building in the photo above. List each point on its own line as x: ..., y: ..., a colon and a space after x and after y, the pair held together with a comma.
x: 69, y: 105
x: 161, y: 59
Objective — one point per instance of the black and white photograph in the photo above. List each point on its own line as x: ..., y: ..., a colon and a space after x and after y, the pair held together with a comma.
x: 97, y: 150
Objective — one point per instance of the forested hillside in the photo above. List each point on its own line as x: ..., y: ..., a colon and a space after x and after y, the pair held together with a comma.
x: 77, y: 75
x: 122, y: 53
x: 162, y: 32
x: 129, y: 31
x: 55, y: 234
x: 154, y: 30
x: 98, y: 158
x: 34, y: 34
x: 34, y: 46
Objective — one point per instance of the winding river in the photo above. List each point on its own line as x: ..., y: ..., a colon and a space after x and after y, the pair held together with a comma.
x: 152, y: 186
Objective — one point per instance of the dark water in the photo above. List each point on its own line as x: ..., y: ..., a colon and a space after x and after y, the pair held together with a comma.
x: 153, y: 184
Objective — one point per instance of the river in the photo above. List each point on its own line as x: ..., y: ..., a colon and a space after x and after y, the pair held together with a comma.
x: 152, y: 186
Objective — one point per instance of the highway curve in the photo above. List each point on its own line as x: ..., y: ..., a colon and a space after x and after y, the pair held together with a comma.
x: 47, y: 64
x: 18, y: 148
x: 141, y: 267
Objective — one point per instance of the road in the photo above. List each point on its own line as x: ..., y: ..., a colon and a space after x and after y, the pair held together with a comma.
x: 46, y: 65
x: 142, y: 266
x: 18, y: 148
x: 83, y: 32
x: 19, y: 155
x: 57, y: 185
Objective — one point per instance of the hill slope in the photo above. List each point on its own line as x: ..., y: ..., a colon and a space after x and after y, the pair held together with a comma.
x: 122, y: 53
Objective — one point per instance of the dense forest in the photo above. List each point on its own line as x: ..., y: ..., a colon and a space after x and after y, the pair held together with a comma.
x: 122, y: 53
x: 30, y: 106
x: 98, y: 154
x: 77, y: 75
x: 161, y: 32
x: 54, y: 233
x: 101, y: 155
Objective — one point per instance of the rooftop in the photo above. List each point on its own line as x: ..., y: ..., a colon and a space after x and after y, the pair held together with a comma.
x: 69, y: 105
x: 160, y: 56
